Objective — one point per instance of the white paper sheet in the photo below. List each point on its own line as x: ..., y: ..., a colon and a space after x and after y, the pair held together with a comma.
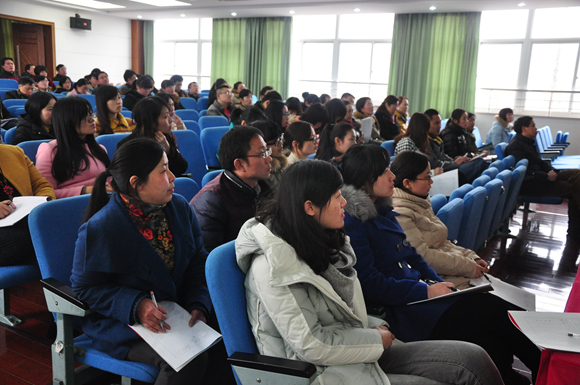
x: 24, y: 206
x: 180, y: 345
x: 367, y: 128
x: 476, y: 289
x: 510, y: 293
x: 445, y: 183
x: 549, y: 330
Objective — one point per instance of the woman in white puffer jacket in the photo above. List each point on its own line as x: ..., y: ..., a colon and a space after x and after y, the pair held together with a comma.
x: 305, y: 301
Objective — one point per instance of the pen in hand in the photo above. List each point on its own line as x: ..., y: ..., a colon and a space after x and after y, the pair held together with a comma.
x: 570, y: 334
x: 486, y: 277
x: 157, y: 307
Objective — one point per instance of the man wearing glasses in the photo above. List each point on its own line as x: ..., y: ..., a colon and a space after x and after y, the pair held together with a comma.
x: 227, y: 202
x: 223, y: 103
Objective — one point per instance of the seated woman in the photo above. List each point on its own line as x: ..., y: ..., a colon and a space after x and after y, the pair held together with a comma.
x: 301, y: 139
x: 18, y: 177
x: 454, y: 134
x: 64, y: 86
x: 151, y: 116
x: 176, y: 122
x: 42, y: 84
x: 139, y: 240
x: 305, y: 300
x: 500, y: 128
x: 274, y: 139
x: 401, y: 114
x: 81, y: 87
x: 364, y: 109
x: 109, y: 106
x: 427, y: 234
x: 277, y: 112
x: 317, y: 115
x: 416, y: 137
x: 334, y: 141
x: 36, y: 124
x: 72, y: 161
x: 348, y: 119
x: 294, y: 109
x: 386, y: 117
x: 245, y: 97
x: 392, y: 274
x: 139, y: 91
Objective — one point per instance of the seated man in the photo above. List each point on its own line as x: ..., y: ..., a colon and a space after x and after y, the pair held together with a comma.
x: 28, y: 71
x: 193, y: 90
x: 264, y: 91
x: 60, y: 74
x: 543, y: 180
x: 25, y: 89
x: 272, y: 95
x: 103, y: 78
x: 227, y: 202
x: 41, y: 70
x: 223, y: 103
x: 346, y: 97
x: 178, y: 81
x: 8, y: 69
x: 130, y: 76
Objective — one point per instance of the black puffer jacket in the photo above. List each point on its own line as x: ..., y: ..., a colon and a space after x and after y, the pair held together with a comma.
x: 522, y: 147
x: 389, y: 129
x: 131, y: 99
x: 454, y: 140
x: 27, y: 130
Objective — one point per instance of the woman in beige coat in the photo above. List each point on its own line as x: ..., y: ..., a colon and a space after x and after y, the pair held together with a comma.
x: 426, y: 233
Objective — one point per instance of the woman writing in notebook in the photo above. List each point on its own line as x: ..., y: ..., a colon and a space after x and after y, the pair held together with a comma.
x: 141, y: 239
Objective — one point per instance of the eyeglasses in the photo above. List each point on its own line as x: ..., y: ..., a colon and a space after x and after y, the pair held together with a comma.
x: 225, y: 93
x: 286, y: 114
x: 277, y: 141
x: 263, y: 154
x: 90, y: 118
x: 315, y: 139
x: 429, y: 179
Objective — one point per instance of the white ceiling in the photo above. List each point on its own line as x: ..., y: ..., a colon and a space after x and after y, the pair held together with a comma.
x: 263, y: 8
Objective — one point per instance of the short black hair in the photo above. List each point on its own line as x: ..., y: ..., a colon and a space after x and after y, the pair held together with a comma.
x: 272, y: 95
x: 26, y: 80
x: 235, y: 144
x: 294, y: 104
x: 59, y: 66
x: 236, y: 84
x: 504, y: 112
x: 39, y: 78
x: 324, y: 98
x: 264, y: 90
x: 408, y: 165
x: 252, y: 114
x: 363, y: 164
x: 27, y: 67
x: 176, y: 78
x: 431, y: 112
x: 129, y: 74
x: 39, y: 68
x: 270, y: 130
x: 347, y: 95
x: 243, y: 93
x: 167, y: 83
x: 524, y: 121
x: 4, y: 59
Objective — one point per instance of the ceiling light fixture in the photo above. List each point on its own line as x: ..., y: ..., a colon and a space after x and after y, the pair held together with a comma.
x: 432, y: 7
x: 234, y: 14
x: 91, y: 4
x: 292, y: 12
x: 357, y: 9
x: 521, y: 4
x: 139, y: 17
x: 162, y: 3
x: 182, y: 15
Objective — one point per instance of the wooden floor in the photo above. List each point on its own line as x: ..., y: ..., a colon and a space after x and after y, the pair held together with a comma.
x: 531, y: 261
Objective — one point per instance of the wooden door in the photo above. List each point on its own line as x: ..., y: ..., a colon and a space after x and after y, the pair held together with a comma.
x: 29, y: 40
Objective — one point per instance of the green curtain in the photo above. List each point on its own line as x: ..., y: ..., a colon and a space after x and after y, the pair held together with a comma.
x: 6, y: 38
x: 148, y: 46
x: 434, y: 60
x: 254, y: 50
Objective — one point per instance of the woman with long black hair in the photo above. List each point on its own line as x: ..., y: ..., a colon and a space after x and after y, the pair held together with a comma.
x: 109, y: 107
x: 36, y: 124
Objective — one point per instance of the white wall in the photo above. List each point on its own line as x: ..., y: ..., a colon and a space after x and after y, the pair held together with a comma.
x: 570, y: 125
x: 107, y: 46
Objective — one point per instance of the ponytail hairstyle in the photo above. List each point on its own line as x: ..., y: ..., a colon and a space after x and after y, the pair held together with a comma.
x: 363, y: 164
x: 146, y: 115
x: 327, y: 147
x: 455, y: 115
x: 298, y: 132
x: 309, y: 180
x: 136, y: 157
x: 70, y: 154
x: 336, y: 110
x: 103, y: 95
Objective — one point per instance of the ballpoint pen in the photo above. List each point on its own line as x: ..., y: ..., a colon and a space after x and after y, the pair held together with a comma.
x: 157, y: 307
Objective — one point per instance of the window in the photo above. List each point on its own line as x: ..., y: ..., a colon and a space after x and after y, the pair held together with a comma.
x: 183, y: 46
x: 533, y: 70
x: 334, y: 54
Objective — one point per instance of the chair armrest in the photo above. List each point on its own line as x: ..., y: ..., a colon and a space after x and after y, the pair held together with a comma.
x: 274, y: 365
x: 61, y: 299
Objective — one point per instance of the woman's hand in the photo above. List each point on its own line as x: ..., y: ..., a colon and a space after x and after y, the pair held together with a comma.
x: 162, y: 139
x: 178, y: 122
x: 438, y: 289
x: 386, y: 336
x: 196, y: 315
x: 438, y: 171
x: 150, y: 317
x: 552, y: 176
x: 481, y: 268
x: 6, y: 208
x: 461, y: 159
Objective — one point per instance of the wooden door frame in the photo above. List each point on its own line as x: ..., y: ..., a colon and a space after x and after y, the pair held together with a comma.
x: 49, y: 41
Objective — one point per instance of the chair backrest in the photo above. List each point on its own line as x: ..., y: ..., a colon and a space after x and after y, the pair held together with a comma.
x: 9, y: 84
x: 210, y: 140
x: 110, y: 142
x: 444, y: 123
x: 474, y: 202
x: 498, y: 164
x: 127, y: 113
x: 91, y: 98
x: 189, y: 103
x: 500, y: 150
x: 438, y: 201
x: 491, y: 172
x: 3, y: 93
x: 18, y: 111
x: 509, y: 162
x: 56, y: 82
x: 203, y: 103
x: 212, y: 121
x: 210, y: 176
x: 202, y: 113
x: 229, y: 300
x: 2, y: 133
x: 9, y: 136
x: 460, y: 191
x: 192, y: 125
x: 477, y: 134
x: 512, y: 134
x: 450, y: 214
x: 190, y: 147
x: 523, y: 162
x: 54, y: 228
x: 559, y: 137
x: 187, y: 114
x: 186, y: 187
x: 506, y: 178
x: 30, y: 148
x: 511, y: 204
x: 565, y: 137
x: 481, y: 181
x: 493, y: 188
x: 14, y: 102
x: 390, y: 146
